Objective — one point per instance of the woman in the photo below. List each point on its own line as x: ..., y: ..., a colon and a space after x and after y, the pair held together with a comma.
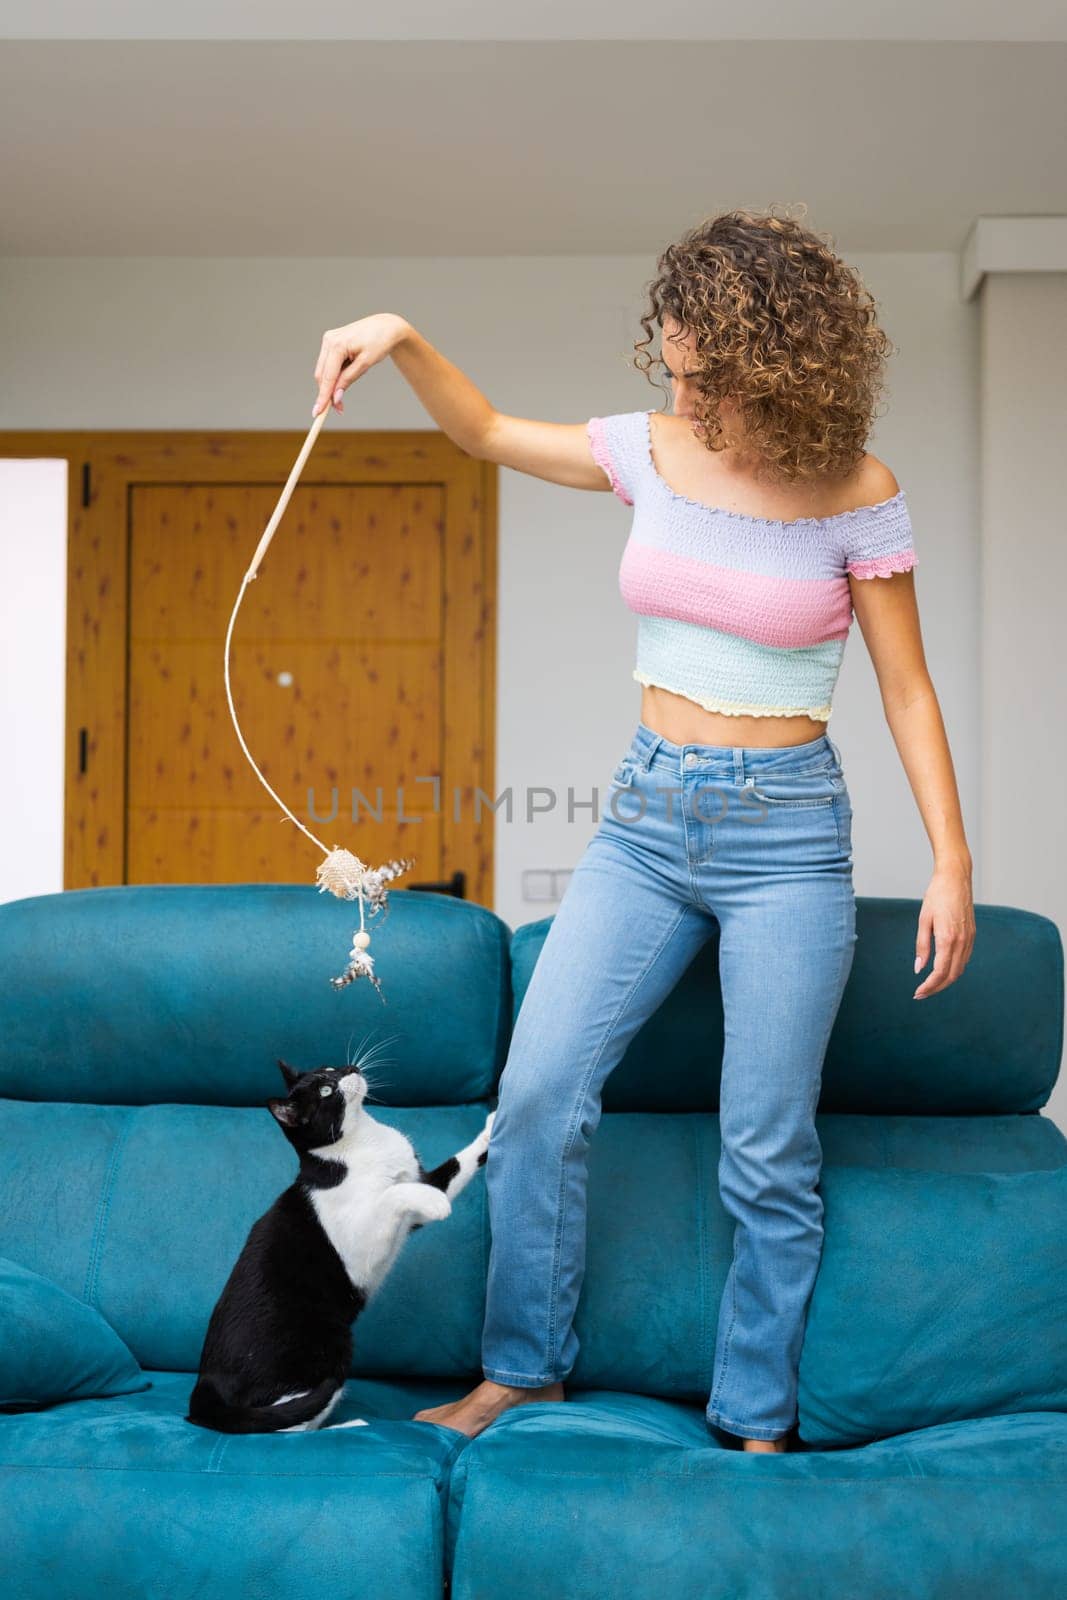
x: 759, y: 525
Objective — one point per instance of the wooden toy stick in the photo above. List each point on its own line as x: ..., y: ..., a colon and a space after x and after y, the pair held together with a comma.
x: 283, y: 499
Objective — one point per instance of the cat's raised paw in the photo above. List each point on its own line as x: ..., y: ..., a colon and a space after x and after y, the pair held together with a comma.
x: 434, y: 1205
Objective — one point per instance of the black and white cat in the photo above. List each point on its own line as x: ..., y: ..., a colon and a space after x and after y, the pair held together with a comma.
x: 278, y: 1346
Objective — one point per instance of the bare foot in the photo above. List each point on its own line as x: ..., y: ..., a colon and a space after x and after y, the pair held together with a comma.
x: 484, y: 1404
x: 763, y: 1446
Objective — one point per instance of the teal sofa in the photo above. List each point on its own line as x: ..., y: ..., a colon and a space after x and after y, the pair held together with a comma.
x: 139, y: 1033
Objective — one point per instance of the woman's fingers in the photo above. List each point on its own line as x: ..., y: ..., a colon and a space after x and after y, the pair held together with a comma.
x: 349, y: 352
x: 346, y: 376
x: 346, y: 354
x: 922, y: 940
x: 328, y: 339
x: 327, y: 373
x: 954, y: 942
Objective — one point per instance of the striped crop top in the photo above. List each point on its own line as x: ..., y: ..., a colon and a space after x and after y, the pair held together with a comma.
x: 745, y: 615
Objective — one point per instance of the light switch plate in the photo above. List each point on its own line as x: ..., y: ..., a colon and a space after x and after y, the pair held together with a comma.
x: 538, y: 885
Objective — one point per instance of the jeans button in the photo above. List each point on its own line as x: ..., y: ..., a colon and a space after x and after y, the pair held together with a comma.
x: 691, y: 759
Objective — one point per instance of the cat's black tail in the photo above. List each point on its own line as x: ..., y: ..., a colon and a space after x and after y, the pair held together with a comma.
x: 208, y: 1409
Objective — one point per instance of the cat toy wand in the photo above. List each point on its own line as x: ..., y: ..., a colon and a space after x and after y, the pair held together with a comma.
x: 342, y: 873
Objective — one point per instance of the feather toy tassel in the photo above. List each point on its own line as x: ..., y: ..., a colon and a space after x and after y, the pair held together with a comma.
x: 345, y: 875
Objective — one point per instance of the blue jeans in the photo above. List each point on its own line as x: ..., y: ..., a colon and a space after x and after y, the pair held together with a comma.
x: 758, y: 841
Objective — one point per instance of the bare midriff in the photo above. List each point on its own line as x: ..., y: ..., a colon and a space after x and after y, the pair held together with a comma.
x: 682, y: 721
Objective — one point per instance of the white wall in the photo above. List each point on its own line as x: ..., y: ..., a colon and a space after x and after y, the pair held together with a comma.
x: 1024, y: 590
x: 33, y: 653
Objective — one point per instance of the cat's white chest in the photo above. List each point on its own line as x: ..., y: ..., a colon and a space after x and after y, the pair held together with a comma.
x: 355, y: 1216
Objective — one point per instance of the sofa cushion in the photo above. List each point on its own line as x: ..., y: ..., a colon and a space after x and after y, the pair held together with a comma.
x: 124, y: 1498
x: 190, y: 992
x: 142, y: 1210
x: 939, y: 1296
x: 974, y: 1052
x: 615, y: 1494
x: 54, y: 1346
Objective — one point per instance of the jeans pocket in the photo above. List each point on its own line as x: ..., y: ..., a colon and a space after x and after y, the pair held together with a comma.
x: 798, y: 789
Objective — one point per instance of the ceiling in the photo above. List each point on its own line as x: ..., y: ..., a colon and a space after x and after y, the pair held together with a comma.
x: 409, y: 20
x: 538, y: 146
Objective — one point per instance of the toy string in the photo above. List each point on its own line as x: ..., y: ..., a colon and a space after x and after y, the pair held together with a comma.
x: 250, y: 576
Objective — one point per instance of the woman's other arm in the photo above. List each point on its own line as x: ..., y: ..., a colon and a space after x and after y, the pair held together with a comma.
x: 888, y: 616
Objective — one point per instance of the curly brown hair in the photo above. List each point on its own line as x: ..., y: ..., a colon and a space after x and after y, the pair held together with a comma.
x: 782, y: 327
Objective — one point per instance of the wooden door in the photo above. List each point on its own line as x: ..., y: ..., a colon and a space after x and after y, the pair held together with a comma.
x: 362, y: 662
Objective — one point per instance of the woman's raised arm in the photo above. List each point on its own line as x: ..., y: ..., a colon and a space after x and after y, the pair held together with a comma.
x: 556, y: 451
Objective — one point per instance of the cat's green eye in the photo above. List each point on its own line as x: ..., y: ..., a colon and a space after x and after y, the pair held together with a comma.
x: 325, y: 1089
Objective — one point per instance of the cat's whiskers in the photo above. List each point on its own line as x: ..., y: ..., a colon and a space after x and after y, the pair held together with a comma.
x: 363, y: 1059
x: 374, y: 1085
x: 351, y: 1061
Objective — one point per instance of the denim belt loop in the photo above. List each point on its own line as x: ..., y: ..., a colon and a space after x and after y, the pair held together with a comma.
x: 645, y: 761
x: 833, y: 747
x: 739, y: 764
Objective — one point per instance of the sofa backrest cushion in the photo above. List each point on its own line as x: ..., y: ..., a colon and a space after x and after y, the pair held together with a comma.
x: 190, y: 993
x: 990, y: 1042
x: 939, y: 1296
